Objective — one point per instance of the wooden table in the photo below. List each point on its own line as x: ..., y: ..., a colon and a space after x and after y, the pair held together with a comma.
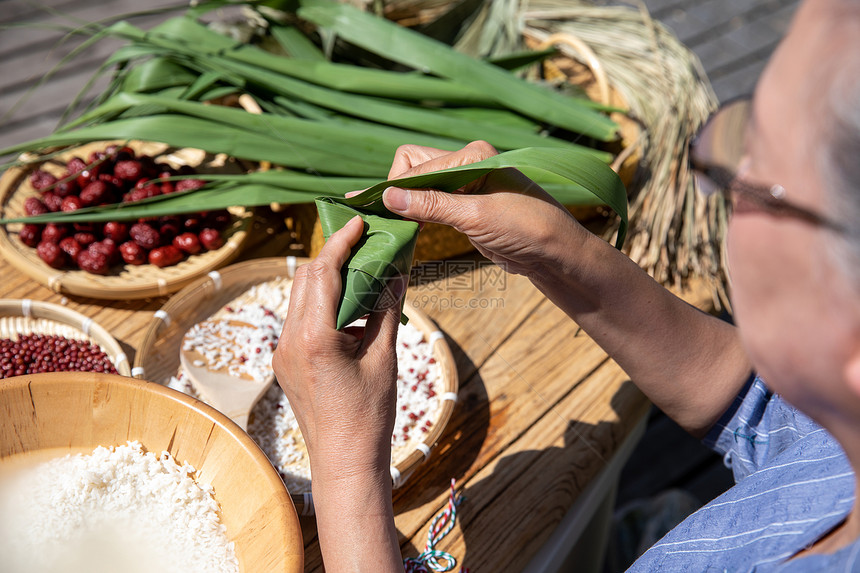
x: 544, y: 418
x: 542, y: 410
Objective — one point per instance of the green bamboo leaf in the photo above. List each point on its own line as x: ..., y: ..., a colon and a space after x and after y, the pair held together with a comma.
x: 517, y: 60
x: 204, y: 199
x: 157, y: 74
x: 411, y: 48
x: 296, y: 44
x: 555, y: 165
x: 185, y: 34
x: 391, y: 113
x: 214, y: 137
x: 383, y: 252
x: 371, y: 265
x: 310, y: 140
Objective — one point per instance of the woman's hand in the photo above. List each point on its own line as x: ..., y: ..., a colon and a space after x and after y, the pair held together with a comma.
x: 341, y: 386
x: 508, y: 217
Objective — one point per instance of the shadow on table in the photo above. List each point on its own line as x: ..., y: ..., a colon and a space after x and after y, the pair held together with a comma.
x: 457, y: 449
x: 547, y: 485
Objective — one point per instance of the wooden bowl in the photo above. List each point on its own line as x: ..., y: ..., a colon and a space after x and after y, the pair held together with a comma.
x: 128, y: 281
x: 25, y: 316
x: 157, y: 358
x: 50, y: 415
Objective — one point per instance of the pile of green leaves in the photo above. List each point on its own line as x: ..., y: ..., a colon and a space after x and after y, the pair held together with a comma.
x: 331, y: 127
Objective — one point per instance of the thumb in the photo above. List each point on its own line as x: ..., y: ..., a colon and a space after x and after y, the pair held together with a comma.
x: 431, y: 206
x: 381, y: 327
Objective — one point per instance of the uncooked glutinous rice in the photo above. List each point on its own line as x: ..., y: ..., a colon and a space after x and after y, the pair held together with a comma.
x: 118, y: 509
x: 272, y: 423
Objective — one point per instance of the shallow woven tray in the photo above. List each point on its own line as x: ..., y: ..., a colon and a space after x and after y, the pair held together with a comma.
x: 20, y: 317
x: 157, y: 358
x: 129, y: 281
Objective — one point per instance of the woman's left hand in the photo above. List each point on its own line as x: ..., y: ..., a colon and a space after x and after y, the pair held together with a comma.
x: 340, y: 384
x: 342, y: 389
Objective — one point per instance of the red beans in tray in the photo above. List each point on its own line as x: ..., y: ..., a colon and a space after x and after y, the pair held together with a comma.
x: 116, y: 175
x: 36, y: 353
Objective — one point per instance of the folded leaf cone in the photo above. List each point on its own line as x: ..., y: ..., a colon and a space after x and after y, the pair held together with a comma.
x: 386, y: 248
x: 383, y: 253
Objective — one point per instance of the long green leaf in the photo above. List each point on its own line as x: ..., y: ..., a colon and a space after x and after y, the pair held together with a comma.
x: 343, y: 77
x: 374, y: 262
x: 296, y: 44
x: 578, y: 168
x: 413, y: 118
x: 411, y: 48
x: 183, y: 131
x: 369, y: 143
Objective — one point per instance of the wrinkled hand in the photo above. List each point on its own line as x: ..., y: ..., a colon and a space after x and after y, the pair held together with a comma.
x: 508, y: 217
x: 340, y: 384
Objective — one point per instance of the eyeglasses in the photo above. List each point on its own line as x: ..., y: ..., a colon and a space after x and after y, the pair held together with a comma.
x: 716, y: 154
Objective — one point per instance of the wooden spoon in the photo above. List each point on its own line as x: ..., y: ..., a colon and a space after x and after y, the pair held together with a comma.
x: 232, y: 394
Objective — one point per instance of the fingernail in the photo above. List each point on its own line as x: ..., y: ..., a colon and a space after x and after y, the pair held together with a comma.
x: 396, y: 199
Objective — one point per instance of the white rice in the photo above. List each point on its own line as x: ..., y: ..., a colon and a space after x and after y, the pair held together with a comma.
x: 272, y: 423
x: 119, y: 508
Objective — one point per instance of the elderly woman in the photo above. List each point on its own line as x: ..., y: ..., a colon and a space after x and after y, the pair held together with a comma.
x: 778, y: 394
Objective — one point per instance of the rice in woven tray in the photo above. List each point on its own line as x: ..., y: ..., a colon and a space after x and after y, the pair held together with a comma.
x: 272, y: 423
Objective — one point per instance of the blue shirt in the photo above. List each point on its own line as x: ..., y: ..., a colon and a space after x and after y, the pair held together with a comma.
x: 794, y: 484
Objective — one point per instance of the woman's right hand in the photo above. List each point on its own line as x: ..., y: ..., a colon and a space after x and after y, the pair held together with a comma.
x: 507, y: 216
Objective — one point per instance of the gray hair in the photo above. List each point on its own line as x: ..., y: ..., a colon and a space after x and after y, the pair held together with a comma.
x: 839, y: 156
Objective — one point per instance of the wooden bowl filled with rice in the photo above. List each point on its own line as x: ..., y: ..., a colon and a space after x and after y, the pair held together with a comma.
x: 101, y: 472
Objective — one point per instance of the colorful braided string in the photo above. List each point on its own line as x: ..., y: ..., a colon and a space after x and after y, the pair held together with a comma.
x: 432, y: 559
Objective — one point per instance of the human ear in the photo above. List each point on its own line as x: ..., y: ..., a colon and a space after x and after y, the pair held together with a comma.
x: 852, y: 373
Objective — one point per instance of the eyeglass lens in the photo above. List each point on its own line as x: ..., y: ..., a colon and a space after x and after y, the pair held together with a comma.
x: 718, y: 149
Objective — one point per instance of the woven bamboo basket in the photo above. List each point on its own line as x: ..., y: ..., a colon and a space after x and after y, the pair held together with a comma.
x: 21, y: 317
x: 51, y: 415
x: 128, y: 281
x: 157, y: 358
x: 439, y: 242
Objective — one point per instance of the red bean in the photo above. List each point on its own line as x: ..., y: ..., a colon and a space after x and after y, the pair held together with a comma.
x: 36, y: 353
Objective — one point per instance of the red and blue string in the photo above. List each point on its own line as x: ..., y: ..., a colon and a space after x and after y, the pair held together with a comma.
x: 432, y: 559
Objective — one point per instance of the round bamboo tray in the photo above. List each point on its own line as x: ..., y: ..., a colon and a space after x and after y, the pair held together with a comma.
x: 157, y: 358
x: 24, y: 316
x: 51, y: 415
x: 127, y: 281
